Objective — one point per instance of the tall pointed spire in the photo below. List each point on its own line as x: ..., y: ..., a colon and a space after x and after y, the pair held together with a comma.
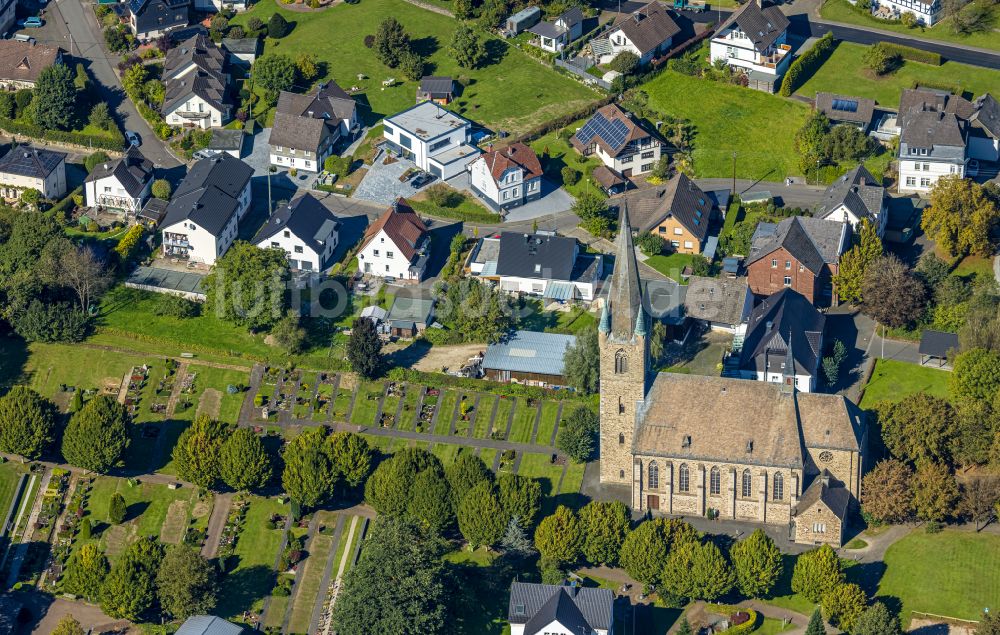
x: 625, y: 294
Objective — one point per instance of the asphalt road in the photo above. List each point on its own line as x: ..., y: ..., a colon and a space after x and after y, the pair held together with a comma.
x: 65, y: 18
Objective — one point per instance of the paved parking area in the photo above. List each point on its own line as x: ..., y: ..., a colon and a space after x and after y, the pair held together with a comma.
x: 381, y: 184
x: 259, y: 157
x: 553, y: 200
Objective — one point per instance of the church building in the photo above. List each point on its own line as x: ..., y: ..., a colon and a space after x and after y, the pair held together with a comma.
x: 693, y: 445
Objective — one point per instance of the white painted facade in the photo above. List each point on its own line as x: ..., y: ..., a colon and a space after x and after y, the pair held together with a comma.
x: 918, y: 176
x: 52, y: 186
x: 621, y: 42
x: 537, y: 286
x: 555, y: 628
x: 803, y: 383
x: 927, y: 13
x: 108, y: 192
x: 732, y: 45
x: 509, y: 190
x: 639, y: 157
x: 301, y: 254
x: 195, y: 111
x: 200, y: 244
x: 444, y: 155
x: 842, y: 214
x: 381, y: 257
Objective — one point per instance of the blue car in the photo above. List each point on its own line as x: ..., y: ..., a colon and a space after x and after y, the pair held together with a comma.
x: 33, y: 22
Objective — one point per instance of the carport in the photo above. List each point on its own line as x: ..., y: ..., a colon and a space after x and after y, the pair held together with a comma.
x: 937, y: 345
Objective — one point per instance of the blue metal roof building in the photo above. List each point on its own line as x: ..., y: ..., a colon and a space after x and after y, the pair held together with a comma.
x: 528, y: 357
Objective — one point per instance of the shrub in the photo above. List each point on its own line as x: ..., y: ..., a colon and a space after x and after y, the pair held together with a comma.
x: 95, y: 159
x: 161, y: 189
x: 277, y: 27
x: 880, y: 60
x: 625, y: 63
x: 912, y: 54
x: 650, y: 243
x: 806, y: 65
x: 570, y: 176
x: 908, y: 19
x: 126, y: 246
x: 175, y: 306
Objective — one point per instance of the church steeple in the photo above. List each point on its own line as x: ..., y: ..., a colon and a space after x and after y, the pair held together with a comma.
x: 624, y: 301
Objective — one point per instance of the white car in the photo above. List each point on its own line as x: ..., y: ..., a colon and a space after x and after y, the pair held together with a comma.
x: 133, y: 139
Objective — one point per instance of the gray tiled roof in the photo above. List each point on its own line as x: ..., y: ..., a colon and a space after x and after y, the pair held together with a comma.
x: 720, y: 300
x: 680, y: 197
x: 987, y: 114
x: 648, y: 27
x: 862, y: 112
x: 305, y: 217
x: 208, y: 625
x: 836, y: 497
x: 858, y: 191
x: 133, y: 171
x: 209, y: 194
x: 784, y: 319
x: 437, y: 85
x: 198, y: 50
x: 536, y: 256
x: 623, y: 304
x: 538, y: 605
x: 928, y: 129
x: 199, y: 83
x: 29, y: 161
x: 812, y: 241
x: 762, y: 26
x: 529, y: 351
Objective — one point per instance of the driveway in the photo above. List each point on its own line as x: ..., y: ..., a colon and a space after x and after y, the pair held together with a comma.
x: 259, y: 157
x: 554, y: 200
x: 382, y: 185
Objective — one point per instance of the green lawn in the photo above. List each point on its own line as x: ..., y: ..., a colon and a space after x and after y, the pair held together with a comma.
x: 672, y: 265
x: 52, y: 364
x: 539, y: 466
x: 256, y: 550
x: 488, y: 455
x: 366, y: 403
x: 10, y: 474
x: 219, y: 379
x: 893, y: 380
x: 524, y: 422
x: 845, y: 73
x: 481, y: 425
x: 308, y: 592
x: 974, y: 266
x: 951, y: 573
x: 447, y: 452
x: 556, y: 153
x: 547, y: 423
x: 503, y: 417
x: 147, y: 506
x: 572, y: 480
x: 841, y: 11
x: 514, y: 94
x: 759, y: 127
x: 446, y: 410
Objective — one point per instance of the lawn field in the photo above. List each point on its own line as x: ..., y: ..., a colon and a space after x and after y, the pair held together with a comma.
x: 841, y: 11
x: 366, y: 403
x: 951, y: 573
x: 308, y: 591
x: 672, y: 265
x: 481, y: 424
x: 488, y: 455
x: 446, y: 410
x: 10, y: 475
x: 556, y: 153
x: 547, y: 423
x: 524, y: 422
x: 539, y: 466
x: 52, y: 364
x: 513, y: 94
x: 256, y: 551
x: 893, y: 380
x: 845, y: 72
x: 758, y: 127
x: 572, y: 480
x: 502, y: 417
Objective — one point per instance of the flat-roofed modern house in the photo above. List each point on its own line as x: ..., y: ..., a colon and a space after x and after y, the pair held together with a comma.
x: 305, y: 230
x: 21, y: 62
x: 122, y: 184
x: 753, y: 39
x: 26, y: 167
x: 646, y: 32
x: 846, y: 110
x: 537, y: 609
x: 553, y: 36
x: 541, y: 264
x: 202, y: 219
x: 618, y: 141
x: 528, y: 357
x: 440, y: 90
x: 507, y: 177
x: 679, y: 212
x: 196, y: 85
x: 526, y: 17
x: 150, y: 19
x: 854, y: 197
x: 435, y: 139
x: 307, y: 128
x: 784, y: 340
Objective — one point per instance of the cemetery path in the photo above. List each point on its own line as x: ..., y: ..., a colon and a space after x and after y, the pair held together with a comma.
x: 216, y: 524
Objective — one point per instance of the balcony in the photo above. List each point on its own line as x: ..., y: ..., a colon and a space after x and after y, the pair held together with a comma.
x: 176, y: 240
x: 773, y: 59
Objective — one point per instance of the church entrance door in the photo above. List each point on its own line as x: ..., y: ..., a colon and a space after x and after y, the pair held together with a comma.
x: 652, y: 502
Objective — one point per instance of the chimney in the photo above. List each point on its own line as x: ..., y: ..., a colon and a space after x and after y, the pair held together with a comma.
x: 107, y: 167
x: 769, y: 325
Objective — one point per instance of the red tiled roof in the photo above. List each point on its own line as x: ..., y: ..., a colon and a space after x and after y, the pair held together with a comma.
x: 403, y: 227
x: 514, y: 155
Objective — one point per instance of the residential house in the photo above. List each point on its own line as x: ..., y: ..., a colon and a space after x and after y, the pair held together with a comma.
x: 21, y: 62
x: 26, y: 167
x: 435, y: 139
x: 308, y: 127
x: 618, y: 141
x: 123, y: 184
x: 927, y: 12
x: 8, y: 10
x: 799, y: 252
x: 412, y: 311
x: 228, y: 141
x: 202, y: 219
x: 482, y: 258
x: 507, y: 177
x: 526, y: 17
x: 305, y: 230
x: 646, y: 32
x: 724, y: 304
x: 984, y: 129
x: 611, y: 181
x: 440, y: 90
x: 541, y: 264
x: 846, y: 110
x: 528, y: 357
x: 555, y: 35
x: 853, y: 197
x: 397, y: 245
x: 208, y: 625
x: 538, y: 609
x: 217, y: 6
x: 242, y: 51
x: 679, y: 212
x: 149, y: 19
x: 753, y: 39
x: 784, y: 340
x: 196, y: 85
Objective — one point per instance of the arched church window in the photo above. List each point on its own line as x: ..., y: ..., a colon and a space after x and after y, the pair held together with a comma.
x: 621, y: 406
x: 683, y: 478
x: 621, y: 363
x: 621, y: 473
x: 715, y: 481
x: 653, y: 482
x: 778, y: 492
x: 747, y: 484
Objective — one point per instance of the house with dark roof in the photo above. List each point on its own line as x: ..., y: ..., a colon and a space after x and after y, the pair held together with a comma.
x: 846, y: 110
x: 123, y: 184
x: 305, y: 230
x: 149, y: 19
x: 27, y: 167
x: 799, y: 252
x: 537, y: 609
x: 308, y: 127
x: 242, y: 51
x: 611, y: 181
x: 723, y: 304
x: 541, y: 264
x: 984, y: 129
x: 647, y: 32
x: 196, y: 84
x: 507, y: 177
x: 679, y: 212
x: 783, y: 341
x: 753, y: 40
x: 933, y: 138
x: 202, y: 219
x: 618, y: 141
x: 21, y: 62
x: 412, y: 311
x: 440, y: 90
x: 554, y: 35
x: 853, y: 197
x: 397, y: 245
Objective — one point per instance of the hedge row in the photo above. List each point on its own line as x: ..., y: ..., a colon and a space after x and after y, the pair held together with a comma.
x: 561, y: 122
x: 955, y: 89
x: 114, y: 143
x: 66, y: 203
x: 807, y: 64
x: 438, y: 380
x: 913, y: 54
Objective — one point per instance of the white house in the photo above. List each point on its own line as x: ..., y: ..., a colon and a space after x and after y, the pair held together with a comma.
x: 753, y: 39
x: 646, y: 32
x: 549, y: 609
x: 124, y: 184
x: 554, y: 36
x: 25, y: 167
x: 927, y: 13
x: 22, y: 62
x: 984, y: 129
x: 855, y: 196
x: 196, y: 84
x: 507, y: 177
x: 149, y: 19
x: 618, y: 141
x: 784, y: 338
x: 308, y: 127
x: 397, y: 245
x: 435, y: 139
x: 305, y: 230
x: 202, y: 219
x: 933, y: 138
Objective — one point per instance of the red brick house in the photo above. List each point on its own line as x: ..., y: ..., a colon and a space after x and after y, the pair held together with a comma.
x: 800, y: 253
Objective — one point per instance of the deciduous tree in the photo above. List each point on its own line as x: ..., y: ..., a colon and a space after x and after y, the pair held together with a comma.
x: 161, y: 189
x: 467, y: 47
x: 244, y: 463
x: 55, y: 97
x: 27, y: 422
x: 886, y: 495
x: 247, y: 286
x: 758, y: 564
x: 935, y: 492
x: 466, y: 472
x: 559, y: 537
x: 976, y: 374
x: 85, y: 572
x: 605, y: 525
x: 893, y: 295
x: 274, y: 73
x: 877, y: 620
x: 698, y: 571
x: 816, y: 573
x: 645, y: 550
x: 578, y: 436
x: 387, y: 490
x: 69, y: 626
x: 187, y: 583
x: 351, y: 457
x: 309, y: 477
x: 979, y: 497
x: 856, y: 262
x: 97, y: 436
x: 582, y: 362
x: 520, y: 497
x: 843, y: 606
x: 960, y: 217
x: 430, y: 506
x: 130, y: 589
x: 920, y: 427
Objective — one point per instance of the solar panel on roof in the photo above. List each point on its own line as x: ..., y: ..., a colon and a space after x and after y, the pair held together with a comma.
x: 845, y: 105
x: 613, y: 132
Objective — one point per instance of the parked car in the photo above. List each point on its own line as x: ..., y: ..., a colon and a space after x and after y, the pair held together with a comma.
x: 972, y: 168
x: 422, y: 179
x: 33, y: 22
x: 133, y: 139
